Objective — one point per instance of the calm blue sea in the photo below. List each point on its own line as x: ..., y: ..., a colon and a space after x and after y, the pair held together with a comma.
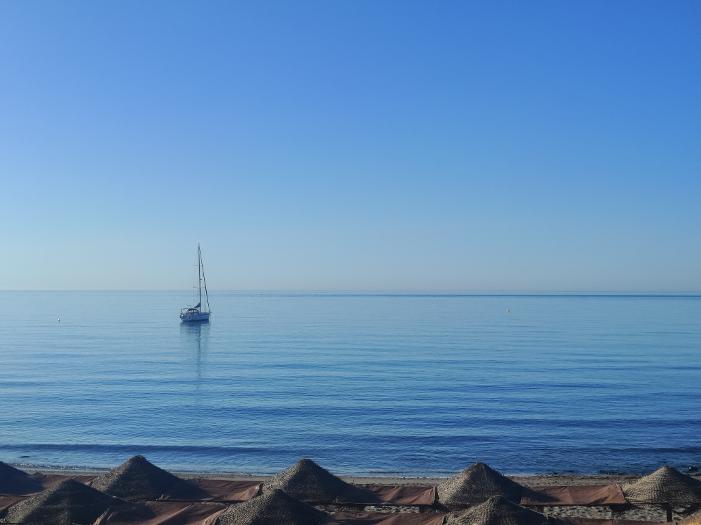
x: 415, y: 385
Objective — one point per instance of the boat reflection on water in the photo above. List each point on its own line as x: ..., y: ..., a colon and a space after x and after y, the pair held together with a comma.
x: 194, y: 338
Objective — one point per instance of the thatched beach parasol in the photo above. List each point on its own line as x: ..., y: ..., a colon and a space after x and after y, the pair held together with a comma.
x: 497, y: 511
x: 139, y: 479
x: 475, y: 484
x: 665, y: 486
x: 272, y: 508
x: 16, y: 481
x: 307, y: 481
x: 67, y: 503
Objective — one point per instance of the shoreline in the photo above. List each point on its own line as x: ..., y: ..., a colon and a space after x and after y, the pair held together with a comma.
x: 530, y: 480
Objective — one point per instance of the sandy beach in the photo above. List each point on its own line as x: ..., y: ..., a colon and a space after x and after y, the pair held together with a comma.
x: 534, y: 480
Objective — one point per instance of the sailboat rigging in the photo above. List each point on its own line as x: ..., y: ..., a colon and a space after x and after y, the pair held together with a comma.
x: 198, y: 313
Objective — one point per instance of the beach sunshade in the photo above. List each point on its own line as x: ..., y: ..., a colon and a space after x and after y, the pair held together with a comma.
x: 272, y: 508
x: 15, y: 481
x: 497, y: 511
x: 475, y: 484
x: 67, y: 503
x: 386, y: 518
x: 164, y: 513
x: 307, y: 481
x: 225, y: 490
x: 664, y: 486
x: 573, y: 495
x: 414, y: 495
x: 139, y: 479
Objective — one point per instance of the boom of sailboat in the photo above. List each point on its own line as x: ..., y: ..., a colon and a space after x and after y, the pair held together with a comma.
x: 198, y: 313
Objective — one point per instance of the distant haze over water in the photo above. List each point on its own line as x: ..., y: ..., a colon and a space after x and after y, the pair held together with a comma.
x: 364, y: 384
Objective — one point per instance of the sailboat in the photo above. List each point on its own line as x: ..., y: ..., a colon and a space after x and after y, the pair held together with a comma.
x: 198, y: 313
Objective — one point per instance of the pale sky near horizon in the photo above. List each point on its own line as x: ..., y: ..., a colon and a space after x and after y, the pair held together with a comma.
x: 351, y: 145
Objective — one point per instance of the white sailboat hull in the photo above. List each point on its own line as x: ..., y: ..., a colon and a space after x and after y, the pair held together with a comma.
x: 194, y: 317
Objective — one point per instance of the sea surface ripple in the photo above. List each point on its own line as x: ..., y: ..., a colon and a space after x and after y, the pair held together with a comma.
x: 364, y: 384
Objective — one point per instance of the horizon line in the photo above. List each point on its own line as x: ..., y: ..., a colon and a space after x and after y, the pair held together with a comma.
x: 385, y: 293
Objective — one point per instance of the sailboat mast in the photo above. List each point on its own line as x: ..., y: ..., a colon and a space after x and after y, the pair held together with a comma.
x: 199, y: 272
x: 206, y: 293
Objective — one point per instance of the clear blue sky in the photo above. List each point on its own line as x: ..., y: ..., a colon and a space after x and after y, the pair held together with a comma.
x: 351, y: 145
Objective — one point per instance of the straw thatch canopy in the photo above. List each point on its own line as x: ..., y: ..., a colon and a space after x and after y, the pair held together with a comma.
x: 475, y: 484
x: 15, y: 481
x: 664, y: 486
x: 308, y: 481
x: 139, y: 479
x: 272, y: 508
x: 498, y: 511
x: 66, y: 503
